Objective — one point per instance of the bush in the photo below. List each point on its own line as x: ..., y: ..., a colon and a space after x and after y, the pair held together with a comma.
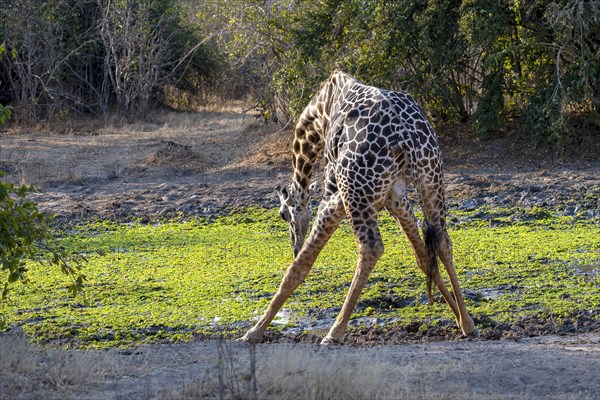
x: 479, y: 60
x: 5, y: 113
x: 61, y: 58
x: 25, y: 235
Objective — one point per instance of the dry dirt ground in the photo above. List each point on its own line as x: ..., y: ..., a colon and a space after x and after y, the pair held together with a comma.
x: 545, y: 367
x: 208, y: 163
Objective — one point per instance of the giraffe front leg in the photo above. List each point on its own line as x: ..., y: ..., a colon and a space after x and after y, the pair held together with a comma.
x: 294, y: 276
x: 328, y: 219
x: 370, y: 250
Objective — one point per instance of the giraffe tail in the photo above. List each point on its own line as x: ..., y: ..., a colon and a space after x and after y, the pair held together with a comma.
x: 432, y: 243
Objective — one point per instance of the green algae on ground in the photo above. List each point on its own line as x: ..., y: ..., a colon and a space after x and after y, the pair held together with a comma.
x: 174, y: 280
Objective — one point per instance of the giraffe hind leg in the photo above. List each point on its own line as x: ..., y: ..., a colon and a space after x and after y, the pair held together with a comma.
x: 400, y: 209
x: 445, y: 252
x: 432, y: 199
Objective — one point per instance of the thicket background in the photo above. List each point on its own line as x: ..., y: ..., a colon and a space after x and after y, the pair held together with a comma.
x: 533, y: 65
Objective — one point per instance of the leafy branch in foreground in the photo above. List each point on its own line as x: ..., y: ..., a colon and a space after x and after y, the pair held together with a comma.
x: 25, y: 234
x: 5, y: 112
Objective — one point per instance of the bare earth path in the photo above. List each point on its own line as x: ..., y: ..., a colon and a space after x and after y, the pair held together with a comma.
x: 547, y: 367
x: 208, y: 163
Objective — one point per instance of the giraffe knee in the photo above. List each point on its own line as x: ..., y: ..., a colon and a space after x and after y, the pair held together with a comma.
x: 378, y: 249
x: 369, y: 254
x: 372, y: 249
x: 444, y: 239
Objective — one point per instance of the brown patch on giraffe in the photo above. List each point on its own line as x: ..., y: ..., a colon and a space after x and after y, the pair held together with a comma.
x: 314, y: 138
x: 320, y: 108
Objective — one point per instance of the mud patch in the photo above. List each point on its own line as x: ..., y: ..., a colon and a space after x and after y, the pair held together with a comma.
x: 587, y: 271
x: 174, y: 156
x: 377, y: 331
x: 493, y: 293
x: 589, y: 268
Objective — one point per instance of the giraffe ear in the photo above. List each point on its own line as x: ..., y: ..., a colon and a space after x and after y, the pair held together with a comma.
x: 282, y: 192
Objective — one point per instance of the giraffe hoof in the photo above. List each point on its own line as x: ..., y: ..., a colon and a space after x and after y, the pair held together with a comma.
x: 251, y: 336
x: 473, y: 334
x: 329, y: 341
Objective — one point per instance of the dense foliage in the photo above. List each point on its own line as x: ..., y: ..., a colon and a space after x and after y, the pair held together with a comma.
x: 534, y: 63
x: 64, y: 57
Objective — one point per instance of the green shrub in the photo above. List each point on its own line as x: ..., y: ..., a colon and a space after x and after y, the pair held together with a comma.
x: 25, y: 234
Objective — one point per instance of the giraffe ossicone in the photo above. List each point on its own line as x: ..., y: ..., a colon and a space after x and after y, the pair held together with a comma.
x: 374, y: 143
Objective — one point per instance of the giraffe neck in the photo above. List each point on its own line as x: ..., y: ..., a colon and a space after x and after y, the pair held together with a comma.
x: 308, y: 143
x: 311, y: 129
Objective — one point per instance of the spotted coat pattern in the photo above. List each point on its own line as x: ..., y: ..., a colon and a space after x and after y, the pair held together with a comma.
x: 375, y: 143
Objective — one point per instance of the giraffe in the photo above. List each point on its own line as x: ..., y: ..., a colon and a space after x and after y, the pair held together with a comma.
x: 374, y: 142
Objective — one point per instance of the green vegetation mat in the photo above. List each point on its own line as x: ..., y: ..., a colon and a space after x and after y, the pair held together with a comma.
x: 177, y: 280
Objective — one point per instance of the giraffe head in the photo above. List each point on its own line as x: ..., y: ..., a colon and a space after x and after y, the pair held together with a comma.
x: 296, y: 211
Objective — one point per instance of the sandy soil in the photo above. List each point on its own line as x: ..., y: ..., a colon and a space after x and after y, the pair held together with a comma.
x: 209, y: 163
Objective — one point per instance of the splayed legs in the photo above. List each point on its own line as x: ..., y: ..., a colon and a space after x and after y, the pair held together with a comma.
x: 327, y: 220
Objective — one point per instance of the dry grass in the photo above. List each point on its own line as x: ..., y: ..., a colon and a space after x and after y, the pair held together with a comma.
x: 27, y: 371
x: 305, y: 372
x: 288, y: 372
x: 281, y: 372
x: 173, y: 156
x: 270, y: 148
x: 168, y: 141
x: 309, y: 372
x: 228, y: 370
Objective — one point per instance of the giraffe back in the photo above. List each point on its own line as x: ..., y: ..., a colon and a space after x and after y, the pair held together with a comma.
x: 376, y: 137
